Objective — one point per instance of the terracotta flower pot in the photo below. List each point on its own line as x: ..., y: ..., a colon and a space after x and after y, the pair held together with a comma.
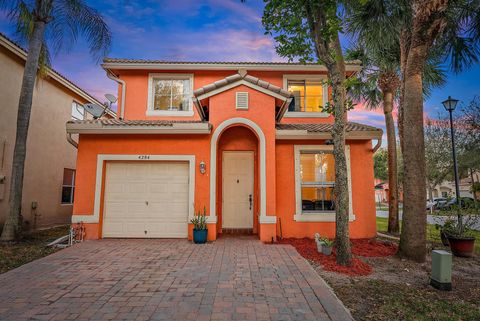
x: 462, y: 246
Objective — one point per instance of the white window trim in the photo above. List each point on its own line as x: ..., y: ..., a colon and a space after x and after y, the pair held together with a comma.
x: 152, y: 112
x: 299, y: 216
x: 102, y: 158
x: 299, y: 114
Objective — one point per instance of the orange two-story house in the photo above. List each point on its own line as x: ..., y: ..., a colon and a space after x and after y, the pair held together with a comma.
x: 246, y: 141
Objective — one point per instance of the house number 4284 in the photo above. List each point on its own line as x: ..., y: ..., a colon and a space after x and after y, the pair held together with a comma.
x: 143, y: 157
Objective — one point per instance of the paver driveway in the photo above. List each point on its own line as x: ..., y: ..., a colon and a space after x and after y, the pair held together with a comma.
x: 231, y: 279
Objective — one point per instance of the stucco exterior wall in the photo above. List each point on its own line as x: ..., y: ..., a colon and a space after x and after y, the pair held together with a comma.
x: 48, y: 151
x: 363, y: 194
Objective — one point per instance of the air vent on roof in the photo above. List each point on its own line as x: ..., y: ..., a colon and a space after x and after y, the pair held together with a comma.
x: 242, y: 100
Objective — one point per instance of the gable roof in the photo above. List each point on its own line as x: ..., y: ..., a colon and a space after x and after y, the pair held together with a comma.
x: 246, y: 79
x: 20, y: 52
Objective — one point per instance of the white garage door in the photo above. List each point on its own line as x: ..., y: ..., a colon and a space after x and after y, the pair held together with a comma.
x: 146, y: 199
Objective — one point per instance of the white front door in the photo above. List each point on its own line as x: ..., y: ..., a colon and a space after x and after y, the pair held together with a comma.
x: 146, y: 199
x: 237, y: 196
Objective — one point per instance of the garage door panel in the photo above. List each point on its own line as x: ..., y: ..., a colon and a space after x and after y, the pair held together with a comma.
x: 146, y: 196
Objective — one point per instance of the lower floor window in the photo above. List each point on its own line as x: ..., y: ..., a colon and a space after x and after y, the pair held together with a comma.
x: 68, y: 186
x: 317, y: 179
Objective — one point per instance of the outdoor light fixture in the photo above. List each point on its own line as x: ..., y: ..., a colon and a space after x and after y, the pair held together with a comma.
x: 203, y: 167
x: 450, y: 104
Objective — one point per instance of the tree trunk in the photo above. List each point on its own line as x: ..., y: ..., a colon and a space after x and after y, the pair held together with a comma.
x: 336, y: 72
x: 393, y: 222
x: 13, y: 225
x: 413, y: 235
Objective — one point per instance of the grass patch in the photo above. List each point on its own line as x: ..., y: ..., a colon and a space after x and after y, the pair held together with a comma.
x: 31, y: 247
x: 433, y: 234
x: 385, y: 301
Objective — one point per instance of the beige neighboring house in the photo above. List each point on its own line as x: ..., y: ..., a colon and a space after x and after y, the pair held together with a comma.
x: 51, y: 160
x: 447, y: 188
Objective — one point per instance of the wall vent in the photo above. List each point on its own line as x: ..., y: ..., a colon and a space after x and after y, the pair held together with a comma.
x: 242, y: 100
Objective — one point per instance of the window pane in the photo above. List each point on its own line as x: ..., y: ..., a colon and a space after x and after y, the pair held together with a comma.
x: 318, y: 199
x: 314, y: 93
x: 78, y: 112
x: 317, y: 167
x: 308, y: 95
x: 68, y: 176
x: 67, y: 195
x: 298, y: 90
x: 171, y: 94
x: 317, y: 170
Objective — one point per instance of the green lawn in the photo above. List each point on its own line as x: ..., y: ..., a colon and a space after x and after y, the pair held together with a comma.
x: 432, y: 233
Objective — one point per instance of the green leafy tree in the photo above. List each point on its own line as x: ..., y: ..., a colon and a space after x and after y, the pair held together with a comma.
x: 438, y: 153
x: 380, y: 164
x: 308, y: 30
x: 42, y: 23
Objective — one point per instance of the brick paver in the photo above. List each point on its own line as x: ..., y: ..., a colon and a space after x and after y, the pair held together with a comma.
x: 234, y: 278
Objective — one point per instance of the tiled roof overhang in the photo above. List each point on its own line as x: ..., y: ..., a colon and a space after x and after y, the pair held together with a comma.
x: 117, y: 126
x: 120, y: 63
x: 324, y: 131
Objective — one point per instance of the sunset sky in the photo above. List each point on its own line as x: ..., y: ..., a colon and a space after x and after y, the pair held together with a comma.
x: 211, y: 30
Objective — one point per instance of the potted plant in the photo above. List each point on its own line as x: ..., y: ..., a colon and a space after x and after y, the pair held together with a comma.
x: 460, y: 234
x: 319, y: 242
x: 200, y: 230
x: 327, y: 246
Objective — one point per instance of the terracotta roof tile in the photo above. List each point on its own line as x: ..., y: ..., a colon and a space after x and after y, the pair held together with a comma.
x: 118, y: 122
x: 319, y: 128
x: 158, y: 61
x: 236, y: 77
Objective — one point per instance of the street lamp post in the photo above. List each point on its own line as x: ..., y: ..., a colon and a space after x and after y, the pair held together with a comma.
x: 450, y: 104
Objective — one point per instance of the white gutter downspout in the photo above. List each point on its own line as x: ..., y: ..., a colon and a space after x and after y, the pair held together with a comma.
x: 124, y: 88
x: 72, y: 141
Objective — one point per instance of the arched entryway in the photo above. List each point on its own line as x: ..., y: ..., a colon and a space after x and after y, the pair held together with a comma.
x: 237, y: 182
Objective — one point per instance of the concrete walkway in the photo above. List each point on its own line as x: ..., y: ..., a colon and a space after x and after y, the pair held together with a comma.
x: 230, y: 279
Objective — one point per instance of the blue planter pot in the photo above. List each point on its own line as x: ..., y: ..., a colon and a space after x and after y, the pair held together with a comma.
x: 200, y: 236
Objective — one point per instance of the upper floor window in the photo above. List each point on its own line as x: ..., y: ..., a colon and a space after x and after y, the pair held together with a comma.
x: 310, y: 93
x: 78, y: 112
x: 170, y: 95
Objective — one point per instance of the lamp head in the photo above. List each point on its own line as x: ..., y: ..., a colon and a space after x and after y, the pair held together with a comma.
x: 450, y: 104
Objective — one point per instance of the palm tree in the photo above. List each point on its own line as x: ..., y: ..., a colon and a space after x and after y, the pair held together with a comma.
x: 424, y: 35
x: 40, y: 23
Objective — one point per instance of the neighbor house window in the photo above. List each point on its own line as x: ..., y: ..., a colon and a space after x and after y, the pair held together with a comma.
x: 68, y: 186
x: 78, y: 112
x: 310, y: 93
x: 170, y: 94
x: 315, y: 183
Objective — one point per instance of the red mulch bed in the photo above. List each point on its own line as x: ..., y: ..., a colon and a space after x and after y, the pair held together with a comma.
x: 371, y: 248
